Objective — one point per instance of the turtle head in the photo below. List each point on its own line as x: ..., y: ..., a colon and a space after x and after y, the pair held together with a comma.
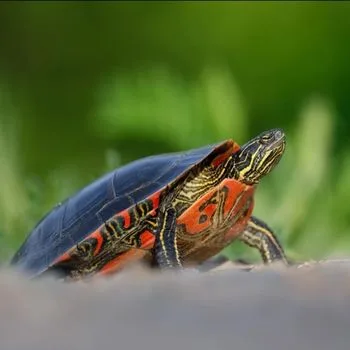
x: 259, y: 156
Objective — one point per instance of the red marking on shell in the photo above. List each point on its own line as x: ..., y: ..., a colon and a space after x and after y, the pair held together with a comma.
x: 127, y: 220
x: 232, y: 148
x: 237, y: 196
x: 147, y: 240
x: 64, y: 257
x: 190, y: 218
x: 99, y: 238
x: 119, y: 262
x: 241, y: 213
x: 155, y: 200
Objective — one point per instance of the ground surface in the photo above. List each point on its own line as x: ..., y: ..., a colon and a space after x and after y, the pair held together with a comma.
x: 304, y: 308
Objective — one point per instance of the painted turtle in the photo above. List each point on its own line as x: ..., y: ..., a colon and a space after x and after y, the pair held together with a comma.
x: 171, y: 210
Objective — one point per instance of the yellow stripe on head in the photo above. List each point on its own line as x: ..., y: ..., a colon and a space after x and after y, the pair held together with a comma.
x: 258, y: 157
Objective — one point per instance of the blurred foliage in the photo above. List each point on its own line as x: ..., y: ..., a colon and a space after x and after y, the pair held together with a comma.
x: 86, y: 87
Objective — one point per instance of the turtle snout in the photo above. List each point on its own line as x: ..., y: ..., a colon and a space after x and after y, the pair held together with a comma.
x: 279, y: 134
x: 278, y: 137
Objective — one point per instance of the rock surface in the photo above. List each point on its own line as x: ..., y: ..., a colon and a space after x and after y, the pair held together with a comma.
x: 266, y: 308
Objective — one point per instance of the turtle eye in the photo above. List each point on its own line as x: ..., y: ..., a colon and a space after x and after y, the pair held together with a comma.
x: 266, y: 139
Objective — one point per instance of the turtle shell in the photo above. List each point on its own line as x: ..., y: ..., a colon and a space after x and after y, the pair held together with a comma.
x: 77, y: 217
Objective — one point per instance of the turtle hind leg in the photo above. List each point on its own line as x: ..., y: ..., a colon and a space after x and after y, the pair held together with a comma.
x: 165, y: 250
x: 258, y: 235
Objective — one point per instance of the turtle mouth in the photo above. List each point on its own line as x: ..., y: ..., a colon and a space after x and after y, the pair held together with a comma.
x: 279, y: 145
x: 280, y: 138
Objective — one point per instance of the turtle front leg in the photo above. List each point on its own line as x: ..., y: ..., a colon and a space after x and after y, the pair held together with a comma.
x: 166, y: 251
x: 258, y: 235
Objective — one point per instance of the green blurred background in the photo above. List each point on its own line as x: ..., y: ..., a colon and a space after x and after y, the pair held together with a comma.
x: 88, y: 86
